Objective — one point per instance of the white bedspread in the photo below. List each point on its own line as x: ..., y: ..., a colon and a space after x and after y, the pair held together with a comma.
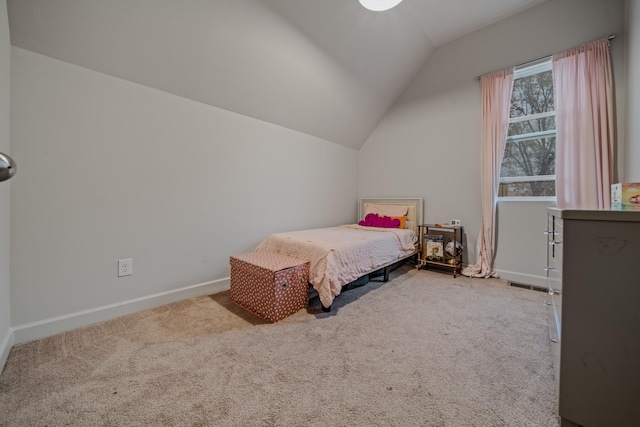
x: 339, y: 255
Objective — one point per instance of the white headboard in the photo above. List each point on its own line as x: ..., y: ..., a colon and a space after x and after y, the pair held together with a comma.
x: 414, y: 212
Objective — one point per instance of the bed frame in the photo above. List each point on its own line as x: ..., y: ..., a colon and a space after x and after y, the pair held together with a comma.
x: 414, y: 219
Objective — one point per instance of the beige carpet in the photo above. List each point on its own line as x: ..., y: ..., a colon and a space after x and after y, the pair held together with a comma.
x: 424, y: 349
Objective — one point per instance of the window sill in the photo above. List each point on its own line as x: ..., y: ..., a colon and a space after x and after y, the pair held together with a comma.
x: 527, y: 199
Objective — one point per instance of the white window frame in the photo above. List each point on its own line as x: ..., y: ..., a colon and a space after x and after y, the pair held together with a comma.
x: 526, y: 70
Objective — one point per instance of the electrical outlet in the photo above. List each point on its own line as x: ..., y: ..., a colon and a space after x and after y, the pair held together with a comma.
x: 125, y: 267
x: 456, y: 222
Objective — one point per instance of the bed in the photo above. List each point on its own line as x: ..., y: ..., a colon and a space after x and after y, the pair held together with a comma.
x: 342, y: 255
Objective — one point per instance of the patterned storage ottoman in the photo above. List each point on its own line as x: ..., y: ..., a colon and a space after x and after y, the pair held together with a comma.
x: 269, y: 285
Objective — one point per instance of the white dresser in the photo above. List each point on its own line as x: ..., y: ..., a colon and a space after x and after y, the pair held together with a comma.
x: 594, y: 277
x: 554, y: 271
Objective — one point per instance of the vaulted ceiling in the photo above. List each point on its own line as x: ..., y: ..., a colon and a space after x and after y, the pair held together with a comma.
x: 328, y: 68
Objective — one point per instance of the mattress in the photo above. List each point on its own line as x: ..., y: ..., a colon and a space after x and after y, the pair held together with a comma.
x: 339, y: 255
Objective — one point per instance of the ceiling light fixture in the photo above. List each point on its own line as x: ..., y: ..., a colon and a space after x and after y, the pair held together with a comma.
x: 379, y: 5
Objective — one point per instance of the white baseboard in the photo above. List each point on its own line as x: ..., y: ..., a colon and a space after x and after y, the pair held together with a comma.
x: 67, y: 322
x: 525, y: 279
x: 5, y: 347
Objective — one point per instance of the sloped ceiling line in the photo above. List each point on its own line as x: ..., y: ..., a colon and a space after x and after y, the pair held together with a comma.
x: 327, y: 68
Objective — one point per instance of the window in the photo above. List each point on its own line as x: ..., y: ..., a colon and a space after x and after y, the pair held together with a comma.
x: 528, y: 167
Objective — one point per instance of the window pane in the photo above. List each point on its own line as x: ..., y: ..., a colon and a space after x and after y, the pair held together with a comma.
x: 529, y: 158
x: 527, y: 189
x: 530, y: 126
x: 528, y: 167
x: 532, y: 95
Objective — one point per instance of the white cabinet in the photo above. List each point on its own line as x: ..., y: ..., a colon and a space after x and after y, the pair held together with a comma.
x: 597, y: 255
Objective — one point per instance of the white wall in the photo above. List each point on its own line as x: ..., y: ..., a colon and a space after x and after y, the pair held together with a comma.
x: 632, y: 134
x: 521, y: 243
x: 428, y: 144
x: 6, y: 336
x: 111, y: 169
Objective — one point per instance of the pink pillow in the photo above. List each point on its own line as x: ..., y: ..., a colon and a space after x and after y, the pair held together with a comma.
x: 368, y: 220
x: 374, y: 220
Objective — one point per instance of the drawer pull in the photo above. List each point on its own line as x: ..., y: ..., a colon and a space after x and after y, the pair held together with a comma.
x: 547, y: 268
x: 555, y: 242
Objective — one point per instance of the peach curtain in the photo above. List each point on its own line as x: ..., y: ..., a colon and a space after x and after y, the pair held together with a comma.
x: 496, y: 100
x: 585, y: 126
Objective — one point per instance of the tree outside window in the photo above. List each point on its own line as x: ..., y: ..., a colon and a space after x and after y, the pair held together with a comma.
x: 528, y: 167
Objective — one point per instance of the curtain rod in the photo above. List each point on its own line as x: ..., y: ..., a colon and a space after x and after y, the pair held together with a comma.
x: 609, y: 37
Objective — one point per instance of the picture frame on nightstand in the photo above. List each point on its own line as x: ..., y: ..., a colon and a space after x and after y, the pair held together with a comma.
x: 433, y: 247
